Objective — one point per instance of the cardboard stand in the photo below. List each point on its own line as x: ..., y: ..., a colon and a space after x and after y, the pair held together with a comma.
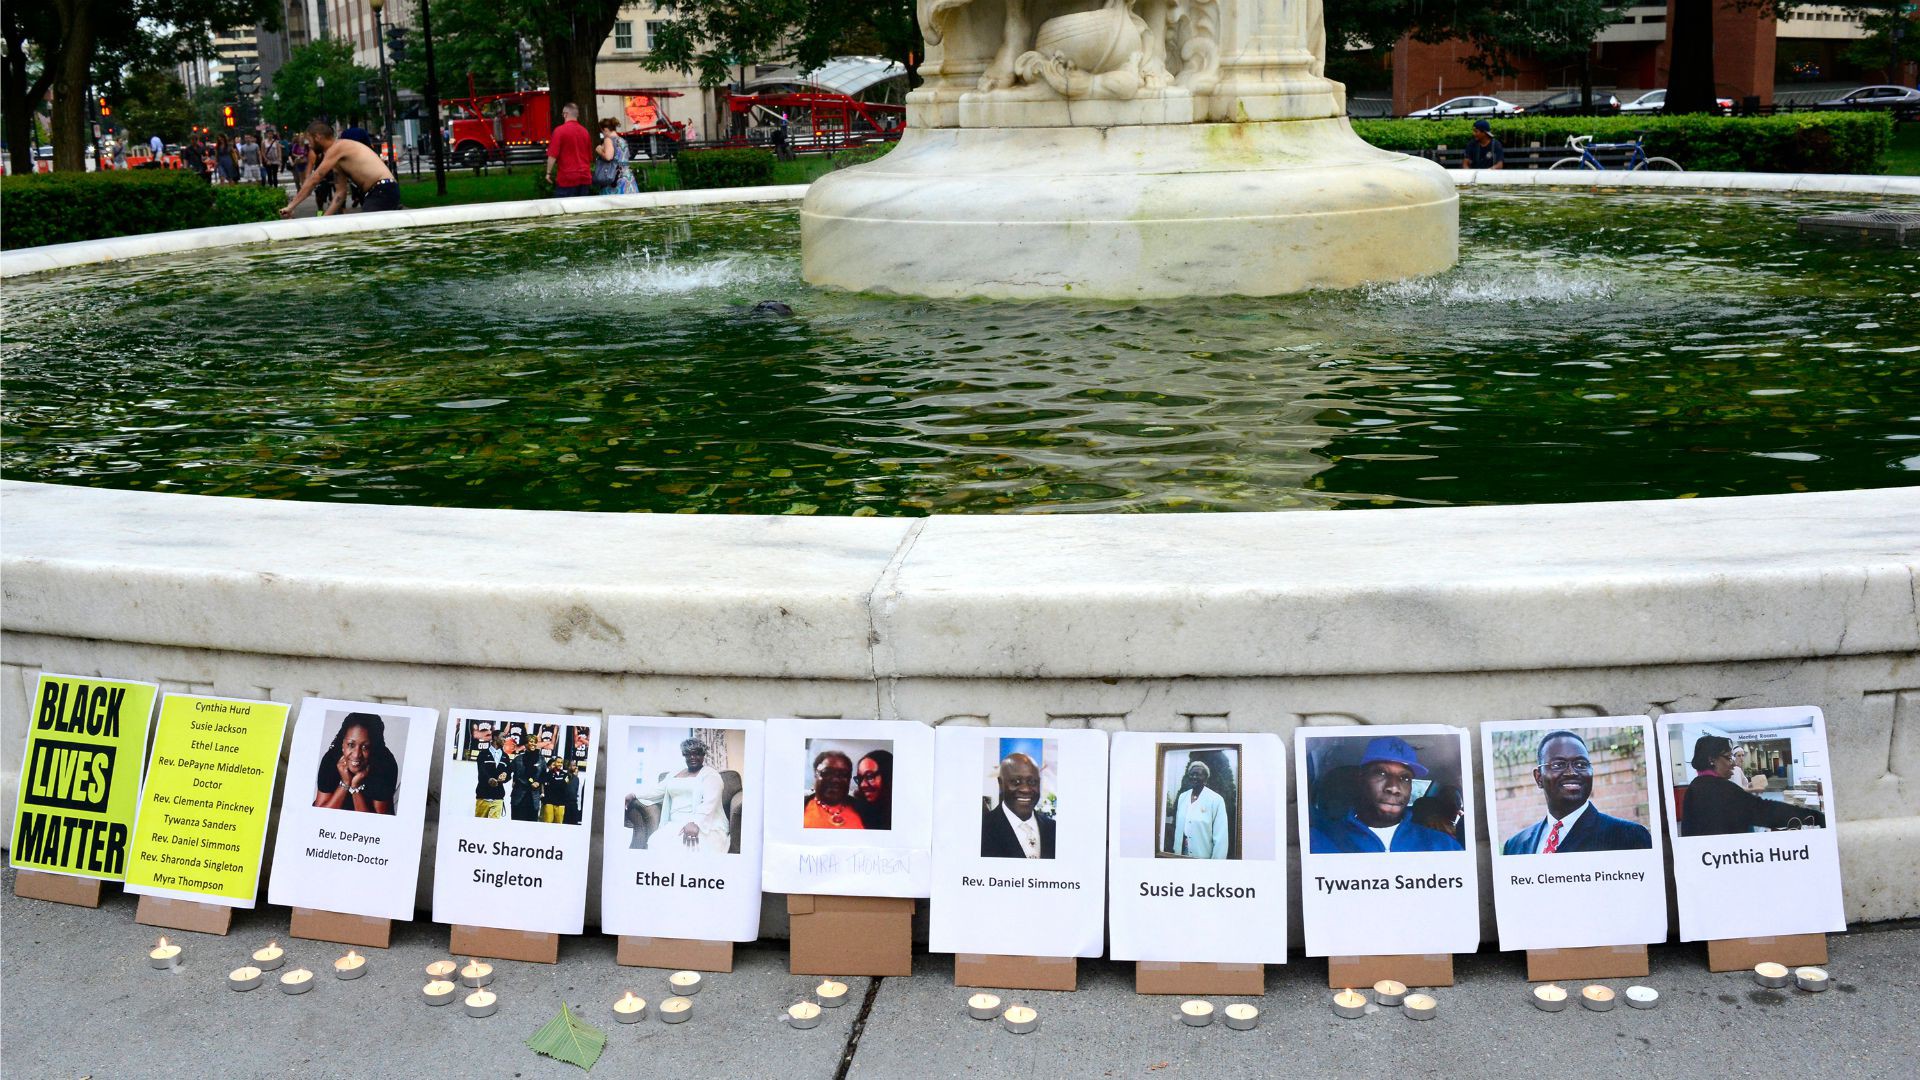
x: 1016, y: 972
x: 527, y: 945
x: 1598, y: 962
x: 850, y: 935
x: 1414, y: 969
x: 1162, y: 977
x: 184, y: 915
x: 362, y: 930
x: 1793, y: 950
x: 58, y: 888
x: 674, y: 954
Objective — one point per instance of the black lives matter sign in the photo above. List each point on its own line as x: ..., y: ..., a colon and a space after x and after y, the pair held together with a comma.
x: 80, y: 780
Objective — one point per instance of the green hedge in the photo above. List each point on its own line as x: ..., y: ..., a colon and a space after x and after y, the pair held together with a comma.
x: 1797, y: 142
x: 725, y: 168
x: 59, y: 208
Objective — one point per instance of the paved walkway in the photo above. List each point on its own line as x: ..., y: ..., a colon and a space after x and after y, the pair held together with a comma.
x: 80, y: 1001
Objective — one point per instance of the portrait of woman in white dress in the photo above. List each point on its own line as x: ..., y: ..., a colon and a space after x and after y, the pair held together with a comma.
x: 692, y: 806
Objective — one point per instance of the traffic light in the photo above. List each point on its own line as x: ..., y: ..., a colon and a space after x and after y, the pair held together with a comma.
x: 366, y: 91
x: 397, y: 44
x: 105, y: 110
x: 226, y: 115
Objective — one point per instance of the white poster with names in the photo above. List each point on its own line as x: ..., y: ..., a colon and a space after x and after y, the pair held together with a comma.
x: 849, y: 807
x: 353, y: 808
x: 1197, y: 867
x: 1574, y: 821
x: 1750, y: 794
x: 682, y: 832
x: 1019, y: 841
x: 1387, y: 840
x: 516, y: 820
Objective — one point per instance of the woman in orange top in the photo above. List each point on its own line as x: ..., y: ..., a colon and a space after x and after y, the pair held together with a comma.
x: 828, y: 807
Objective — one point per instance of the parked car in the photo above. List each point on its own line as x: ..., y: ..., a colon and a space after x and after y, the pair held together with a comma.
x: 1876, y: 97
x: 1573, y: 103
x: 1656, y: 101
x: 1469, y: 106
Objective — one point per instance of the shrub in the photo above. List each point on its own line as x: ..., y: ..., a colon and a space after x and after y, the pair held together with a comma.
x: 61, y: 207
x: 1795, y: 142
x: 724, y: 168
x: 237, y: 205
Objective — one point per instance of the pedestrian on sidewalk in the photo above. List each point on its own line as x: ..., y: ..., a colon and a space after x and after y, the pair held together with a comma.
x: 158, y: 147
x: 270, y: 158
x: 611, y: 174
x: 249, y: 150
x: 569, y: 156
x: 225, y: 161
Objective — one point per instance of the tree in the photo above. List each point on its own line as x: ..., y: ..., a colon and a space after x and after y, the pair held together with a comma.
x: 152, y: 101
x: 1551, y: 31
x: 570, y: 33
x: 482, y: 38
x: 24, y: 78
x: 318, y: 81
x: 711, y: 39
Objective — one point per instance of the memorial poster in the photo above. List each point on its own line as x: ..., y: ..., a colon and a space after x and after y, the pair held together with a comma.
x: 202, y: 823
x: 1750, y: 794
x: 1019, y: 841
x: 80, y: 776
x: 682, y: 844
x: 849, y: 807
x: 1387, y: 840
x: 1197, y: 868
x: 516, y: 820
x: 1579, y: 859
x: 353, y: 808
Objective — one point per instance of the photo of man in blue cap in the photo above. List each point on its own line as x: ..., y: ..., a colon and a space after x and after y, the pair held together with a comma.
x: 1378, y: 819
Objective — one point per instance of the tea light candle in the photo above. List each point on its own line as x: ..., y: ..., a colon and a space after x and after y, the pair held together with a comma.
x: 1598, y: 998
x: 1389, y: 993
x: 438, y: 992
x: 803, y: 1014
x: 243, y: 978
x: 1549, y: 998
x: 482, y: 1003
x: 1019, y: 1019
x: 164, y: 956
x: 831, y: 994
x: 1242, y: 1017
x: 297, y: 981
x: 1768, y: 973
x: 630, y: 1009
x: 269, y: 958
x: 1196, y: 1013
x: 350, y: 966
x: 983, y: 1006
x: 476, y: 974
x: 1811, y: 978
x: 1420, y: 1007
x: 1642, y: 997
x: 442, y: 969
x: 675, y: 1010
x: 1349, y: 1004
x: 684, y: 983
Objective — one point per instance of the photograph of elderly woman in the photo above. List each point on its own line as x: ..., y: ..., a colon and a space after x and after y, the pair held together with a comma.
x: 360, y: 769
x: 1199, y: 811
x: 1743, y: 774
x: 683, y: 788
x: 849, y: 784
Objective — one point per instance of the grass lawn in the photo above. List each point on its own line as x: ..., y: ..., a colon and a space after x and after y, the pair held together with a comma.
x: 463, y: 186
x: 1903, y: 157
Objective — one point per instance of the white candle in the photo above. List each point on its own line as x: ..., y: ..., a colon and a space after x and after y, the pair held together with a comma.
x: 1596, y: 997
x: 481, y: 1003
x: 438, y: 992
x: 476, y: 974
x: 684, y: 983
x: 164, y: 956
x: 297, y: 981
x: 1019, y: 1019
x: 243, y: 978
x: 270, y: 957
x: 1549, y: 998
x: 630, y: 1009
x: 1419, y: 1007
x: 442, y: 969
x: 803, y: 1014
x: 350, y: 966
x: 1768, y: 973
x: 1242, y: 1017
x: 1350, y: 1004
x: 675, y: 1010
x: 1811, y: 978
x: 983, y: 1006
x: 1642, y: 997
x: 831, y: 994
x: 1196, y: 1013
x: 1389, y: 992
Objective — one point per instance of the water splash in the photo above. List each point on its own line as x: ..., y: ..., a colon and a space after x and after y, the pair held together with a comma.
x: 1539, y: 287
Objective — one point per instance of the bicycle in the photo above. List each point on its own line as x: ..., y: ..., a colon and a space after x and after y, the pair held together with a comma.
x: 1635, y: 161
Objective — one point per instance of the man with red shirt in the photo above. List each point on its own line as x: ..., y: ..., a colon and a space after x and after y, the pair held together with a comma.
x: 571, y: 148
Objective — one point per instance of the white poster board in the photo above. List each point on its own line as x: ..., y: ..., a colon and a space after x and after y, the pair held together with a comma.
x: 1579, y: 858
x: 1382, y: 872
x: 353, y: 808
x: 1019, y: 841
x: 849, y: 807
x: 1754, y: 851
x: 683, y: 804
x: 512, y: 852
x: 1197, y: 869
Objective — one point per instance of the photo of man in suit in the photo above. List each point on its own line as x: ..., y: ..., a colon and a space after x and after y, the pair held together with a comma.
x: 1563, y: 770
x: 1012, y: 829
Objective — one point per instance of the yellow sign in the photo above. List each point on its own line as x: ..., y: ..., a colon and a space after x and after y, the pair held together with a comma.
x: 80, y: 779
x: 203, y: 813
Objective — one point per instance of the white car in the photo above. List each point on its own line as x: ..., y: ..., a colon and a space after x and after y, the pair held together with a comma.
x: 1469, y: 106
x: 1876, y: 97
x: 1656, y: 100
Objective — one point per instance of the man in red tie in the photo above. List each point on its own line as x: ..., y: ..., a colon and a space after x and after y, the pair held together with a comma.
x: 1564, y: 773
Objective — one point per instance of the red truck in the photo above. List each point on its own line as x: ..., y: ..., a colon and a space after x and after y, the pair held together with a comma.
x: 489, y: 127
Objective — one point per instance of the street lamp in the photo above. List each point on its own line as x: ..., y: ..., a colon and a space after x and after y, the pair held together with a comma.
x: 386, y: 115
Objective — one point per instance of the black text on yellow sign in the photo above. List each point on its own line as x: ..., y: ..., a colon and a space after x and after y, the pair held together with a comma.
x: 81, y: 776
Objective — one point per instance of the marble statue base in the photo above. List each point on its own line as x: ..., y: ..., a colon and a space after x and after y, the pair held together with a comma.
x: 1255, y: 209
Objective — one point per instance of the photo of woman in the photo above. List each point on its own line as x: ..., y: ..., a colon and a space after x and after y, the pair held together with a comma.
x: 359, y: 771
x: 1199, y: 802
x: 834, y: 799
x: 686, y: 809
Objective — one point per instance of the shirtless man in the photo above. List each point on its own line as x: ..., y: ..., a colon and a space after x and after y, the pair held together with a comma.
x: 355, y: 159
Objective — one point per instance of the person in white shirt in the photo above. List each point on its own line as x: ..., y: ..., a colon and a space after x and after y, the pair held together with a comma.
x: 1014, y: 829
x: 693, y: 814
x: 1200, y: 828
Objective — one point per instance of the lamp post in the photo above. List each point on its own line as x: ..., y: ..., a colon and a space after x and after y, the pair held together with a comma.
x: 433, y: 102
x: 386, y: 113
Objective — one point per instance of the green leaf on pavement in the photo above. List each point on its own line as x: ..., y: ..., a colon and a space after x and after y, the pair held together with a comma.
x: 570, y: 1039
